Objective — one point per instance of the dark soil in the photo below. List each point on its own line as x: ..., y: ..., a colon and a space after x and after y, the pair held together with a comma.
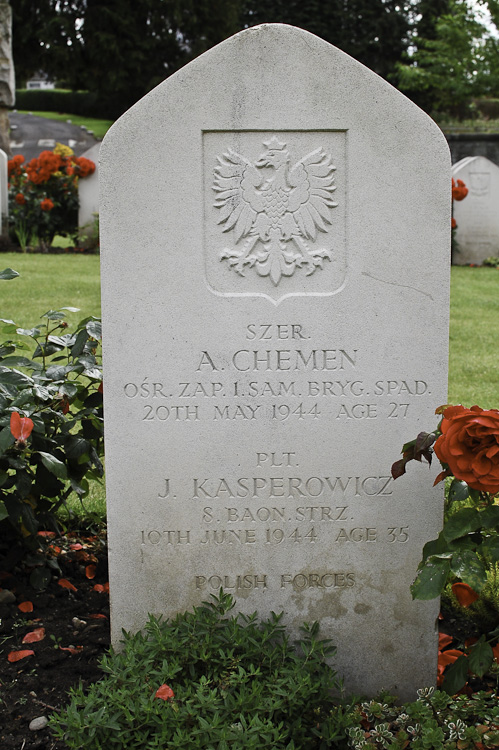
x: 76, y: 633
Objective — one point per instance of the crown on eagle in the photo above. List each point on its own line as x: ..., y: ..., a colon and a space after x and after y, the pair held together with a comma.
x: 274, y: 144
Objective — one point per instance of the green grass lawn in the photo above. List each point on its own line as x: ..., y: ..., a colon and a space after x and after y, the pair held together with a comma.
x: 98, y: 127
x: 474, y: 337
x: 49, y: 282
x: 53, y: 281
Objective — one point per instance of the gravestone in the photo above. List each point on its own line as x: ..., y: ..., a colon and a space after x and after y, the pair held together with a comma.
x: 275, y: 260
x: 7, y: 74
x: 477, y: 216
x: 4, y: 192
x: 88, y: 190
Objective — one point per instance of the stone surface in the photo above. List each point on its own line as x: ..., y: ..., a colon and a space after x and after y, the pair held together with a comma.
x: 477, y: 216
x: 4, y: 192
x: 6, y: 596
x: 88, y: 190
x: 39, y: 723
x: 270, y: 344
x: 7, y: 76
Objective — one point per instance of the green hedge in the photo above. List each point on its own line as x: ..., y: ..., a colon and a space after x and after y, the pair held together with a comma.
x: 60, y: 100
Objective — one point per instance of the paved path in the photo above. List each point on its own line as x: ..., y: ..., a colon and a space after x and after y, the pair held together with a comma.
x: 31, y: 135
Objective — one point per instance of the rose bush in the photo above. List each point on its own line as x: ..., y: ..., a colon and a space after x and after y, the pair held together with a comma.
x: 43, y: 195
x: 466, y: 552
x: 469, y: 446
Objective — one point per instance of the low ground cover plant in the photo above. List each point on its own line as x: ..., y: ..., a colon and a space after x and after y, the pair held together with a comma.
x: 208, y: 679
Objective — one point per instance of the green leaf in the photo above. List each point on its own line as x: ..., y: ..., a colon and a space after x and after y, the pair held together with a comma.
x: 14, y: 377
x: 6, y: 439
x: 32, y: 332
x: 8, y: 273
x: 489, y: 518
x: 481, y: 657
x: 76, y: 446
x: 461, y: 523
x: 56, y: 372
x: 435, y: 547
x: 79, y: 344
x: 458, y: 491
x: 94, y: 328
x: 456, y: 675
x: 54, y: 315
x: 68, y: 389
x: 467, y: 566
x: 71, y: 309
x: 4, y: 513
x: 21, y: 362
x: 54, y: 465
x: 431, y: 579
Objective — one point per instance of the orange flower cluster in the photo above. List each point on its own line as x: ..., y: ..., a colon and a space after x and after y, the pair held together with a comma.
x: 459, y: 190
x: 469, y: 445
x: 20, y: 199
x: 14, y: 165
x: 85, y: 167
x: 41, y: 168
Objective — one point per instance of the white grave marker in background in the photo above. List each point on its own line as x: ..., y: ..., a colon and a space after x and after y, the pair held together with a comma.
x: 275, y: 260
x: 88, y: 190
x: 4, y: 191
x: 477, y: 216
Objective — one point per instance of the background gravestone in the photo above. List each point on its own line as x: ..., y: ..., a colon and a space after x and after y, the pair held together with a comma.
x: 7, y: 77
x: 477, y: 216
x: 88, y: 190
x: 4, y: 192
x: 275, y: 261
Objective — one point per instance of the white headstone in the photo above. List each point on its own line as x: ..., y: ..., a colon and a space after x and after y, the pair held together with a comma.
x: 275, y: 260
x: 477, y: 216
x: 4, y: 190
x: 88, y: 190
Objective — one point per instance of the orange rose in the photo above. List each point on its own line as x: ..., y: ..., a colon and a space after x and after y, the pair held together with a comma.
x: 46, y: 204
x: 469, y: 445
x: 20, y: 199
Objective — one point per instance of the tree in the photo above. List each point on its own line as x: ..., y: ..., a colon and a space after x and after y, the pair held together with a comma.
x: 450, y: 67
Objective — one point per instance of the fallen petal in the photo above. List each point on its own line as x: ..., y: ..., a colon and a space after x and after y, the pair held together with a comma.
x: 164, y: 692
x: 18, y: 655
x: 35, y: 635
x: 66, y: 584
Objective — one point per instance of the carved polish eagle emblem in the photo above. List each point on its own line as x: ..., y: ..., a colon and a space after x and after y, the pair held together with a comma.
x: 275, y: 210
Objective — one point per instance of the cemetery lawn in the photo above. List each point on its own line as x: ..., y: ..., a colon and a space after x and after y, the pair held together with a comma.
x: 98, y: 127
x: 474, y: 337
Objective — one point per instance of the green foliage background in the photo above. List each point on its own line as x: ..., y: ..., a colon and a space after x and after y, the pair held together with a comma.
x: 436, y: 51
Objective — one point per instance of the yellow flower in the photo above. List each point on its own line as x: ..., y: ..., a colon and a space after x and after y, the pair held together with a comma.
x: 63, y: 150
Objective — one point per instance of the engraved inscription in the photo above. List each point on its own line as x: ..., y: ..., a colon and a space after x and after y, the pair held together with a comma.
x: 275, y: 209
x: 296, y: 581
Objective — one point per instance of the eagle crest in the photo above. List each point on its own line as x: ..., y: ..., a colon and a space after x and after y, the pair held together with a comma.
x: 276, y: 209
